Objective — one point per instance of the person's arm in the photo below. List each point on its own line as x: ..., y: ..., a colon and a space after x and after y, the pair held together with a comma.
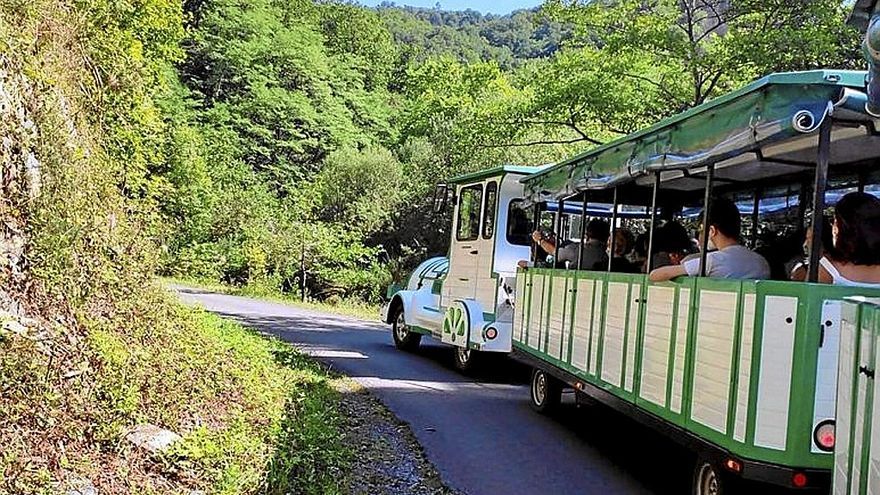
x: 545, y: 243
x: 665, y: 273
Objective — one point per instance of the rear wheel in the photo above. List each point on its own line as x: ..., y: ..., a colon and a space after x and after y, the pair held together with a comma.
x: 546, y: 392
x: 708, y: 479
x: 464, y: 359
x: 404, y: 338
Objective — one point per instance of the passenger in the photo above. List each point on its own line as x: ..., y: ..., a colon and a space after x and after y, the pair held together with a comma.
x: 639, y: 255
x: 801, y: 267
x: 854, y: 259
x: 671, y: 244
x: 623, y: 244
x: 593, y: 256
x: 731, y: 260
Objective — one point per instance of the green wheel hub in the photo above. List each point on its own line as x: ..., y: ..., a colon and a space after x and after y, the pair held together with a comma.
x: 455, y: 323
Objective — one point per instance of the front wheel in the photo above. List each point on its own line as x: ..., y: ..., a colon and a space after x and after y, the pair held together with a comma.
x: 464, y: 359
x: 708, y: 479
x: 404, y: 338
x: 546, y: 392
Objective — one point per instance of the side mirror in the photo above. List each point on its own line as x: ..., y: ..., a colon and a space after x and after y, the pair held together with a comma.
x: 441, y: 197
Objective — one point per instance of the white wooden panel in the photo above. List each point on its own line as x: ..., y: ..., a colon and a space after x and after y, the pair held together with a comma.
x: 745, y: 367
x: 865, y: 355
x: 536, y: 317
x: 774, y: 381
x: 596, y: 329
x: 632, y: 337
x: 556, y: 307
x: 712, y: 359
x: 826, y: 365
x: 615, y: 326
x: 521, y: 301
x: 844, y: 410
x: 570, y: 297
x: 583, y: 314
x: 681, y: 335
x: 873, y: 473
x: 656, y: 346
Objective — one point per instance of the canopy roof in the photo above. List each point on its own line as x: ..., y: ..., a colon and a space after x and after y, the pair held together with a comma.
x: 764, y: 130
x: 496, y: 171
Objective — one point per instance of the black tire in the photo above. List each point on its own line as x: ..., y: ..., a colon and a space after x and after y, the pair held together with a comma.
x: 404, y: 339
x: 464, y: 359
x: 545, y: 392
x: 709, y: 479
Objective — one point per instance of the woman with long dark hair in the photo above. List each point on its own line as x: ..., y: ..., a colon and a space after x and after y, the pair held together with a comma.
x: 854, y: 259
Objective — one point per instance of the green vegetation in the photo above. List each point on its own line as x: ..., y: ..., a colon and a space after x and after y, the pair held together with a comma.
x: 316, y: 130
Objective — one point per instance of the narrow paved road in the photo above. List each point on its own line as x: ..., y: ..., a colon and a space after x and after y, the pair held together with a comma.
x: 479, y: 433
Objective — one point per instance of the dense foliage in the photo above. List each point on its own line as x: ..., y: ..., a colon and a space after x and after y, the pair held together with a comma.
x: 316, y: 130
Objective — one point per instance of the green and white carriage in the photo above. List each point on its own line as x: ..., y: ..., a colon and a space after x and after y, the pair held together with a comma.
x: 744, y: 372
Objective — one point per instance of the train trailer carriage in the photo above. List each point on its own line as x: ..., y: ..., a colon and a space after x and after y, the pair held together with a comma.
x: 744, y: 372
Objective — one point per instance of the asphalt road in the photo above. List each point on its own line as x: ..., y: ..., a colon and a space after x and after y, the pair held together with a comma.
x: 479, y: 432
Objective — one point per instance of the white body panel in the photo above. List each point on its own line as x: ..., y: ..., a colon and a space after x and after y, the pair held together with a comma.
x: 481, y: 273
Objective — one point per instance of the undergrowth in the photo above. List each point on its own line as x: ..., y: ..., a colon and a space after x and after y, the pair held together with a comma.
x: 89, y: 345
x: 255, y: 415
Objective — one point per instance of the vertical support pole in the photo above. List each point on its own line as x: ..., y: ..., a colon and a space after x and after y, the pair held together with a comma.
x: 560, y: 209
x: 613, y: 228
x: 302, y: 269
x: 537, y: 226
x: 650, y: 265
x: 707, y: 207
x: 755, y: 218
x: 583, y: 232
x: 821, y: 180
x: 863, y: 178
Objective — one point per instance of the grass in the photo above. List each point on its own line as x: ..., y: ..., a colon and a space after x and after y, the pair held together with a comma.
x: 345, y: 307
x: 256, y: 416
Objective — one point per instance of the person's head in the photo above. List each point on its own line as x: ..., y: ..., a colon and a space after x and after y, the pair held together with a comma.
x: 623, y: 242
x: 856, y: 229
x: 827, y: 237
x: 724, y: 222
x: 598, y: 230
x: 673, y: 240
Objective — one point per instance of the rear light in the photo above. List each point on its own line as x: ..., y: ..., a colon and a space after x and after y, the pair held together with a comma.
x: 733, y: 465
x: 824, y: 435
x: 799, y: 480
x: 491, y: 333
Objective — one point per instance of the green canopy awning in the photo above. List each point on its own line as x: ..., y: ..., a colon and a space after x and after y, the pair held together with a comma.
x: 775, y: 109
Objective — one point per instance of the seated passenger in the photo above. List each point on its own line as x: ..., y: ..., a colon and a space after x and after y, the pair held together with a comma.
x: 802, y: 266
x: 854, y: 259
x: 731, y: 260
x: 593, y: 256
x: 639, y: 254
x: 671, y: 244
x: 623, y: 244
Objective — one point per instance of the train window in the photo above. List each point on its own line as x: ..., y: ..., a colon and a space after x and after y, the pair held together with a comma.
x: 489, y: 210
x: 469, y: 202
x: 519, y: 223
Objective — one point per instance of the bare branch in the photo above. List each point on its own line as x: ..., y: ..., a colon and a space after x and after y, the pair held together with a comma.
x: 543, y: 142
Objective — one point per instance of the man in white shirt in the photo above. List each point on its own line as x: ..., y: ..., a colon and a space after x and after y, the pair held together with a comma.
x: 731, y: 260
